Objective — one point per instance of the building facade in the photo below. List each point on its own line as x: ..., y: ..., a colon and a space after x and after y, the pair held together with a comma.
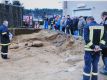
x: 85, y: 8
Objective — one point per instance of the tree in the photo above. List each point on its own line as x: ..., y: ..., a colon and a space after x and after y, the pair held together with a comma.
x: 16, y: 2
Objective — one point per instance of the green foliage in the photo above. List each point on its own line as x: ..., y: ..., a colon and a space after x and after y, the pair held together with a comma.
x: 41, y: 12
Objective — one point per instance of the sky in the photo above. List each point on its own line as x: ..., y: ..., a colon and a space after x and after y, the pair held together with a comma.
x: 58, y: 4
x: 31, y: 4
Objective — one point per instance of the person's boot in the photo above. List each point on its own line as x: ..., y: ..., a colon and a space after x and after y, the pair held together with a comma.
x: 4, y: 56
x: 94, y: 77
x: 86, y: 77
x: 104, y: 70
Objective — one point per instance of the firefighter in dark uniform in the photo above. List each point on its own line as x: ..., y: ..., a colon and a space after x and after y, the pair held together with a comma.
x: 94, y: 40
x: 4, y: 38
x: 104, y: 50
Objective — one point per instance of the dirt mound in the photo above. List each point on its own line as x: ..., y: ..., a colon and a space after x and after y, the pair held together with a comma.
x: 49, y: 38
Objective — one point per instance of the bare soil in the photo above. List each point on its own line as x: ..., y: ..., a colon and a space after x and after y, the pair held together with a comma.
x: 59, y: 58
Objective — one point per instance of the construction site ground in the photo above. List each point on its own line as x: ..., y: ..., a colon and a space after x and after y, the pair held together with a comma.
x: 46, y: 55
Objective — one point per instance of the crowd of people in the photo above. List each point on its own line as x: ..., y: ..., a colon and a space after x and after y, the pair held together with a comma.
x: 72, y: 26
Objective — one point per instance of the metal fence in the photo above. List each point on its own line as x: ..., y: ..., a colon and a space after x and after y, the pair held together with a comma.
x: 12, y: 13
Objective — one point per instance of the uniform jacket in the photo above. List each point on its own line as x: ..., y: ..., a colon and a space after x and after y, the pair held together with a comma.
x: 93, y: 35
x: 4, y: 35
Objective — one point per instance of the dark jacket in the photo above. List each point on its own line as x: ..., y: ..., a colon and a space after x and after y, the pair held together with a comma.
x: 4, y: 35
x: 104, y: 23
x: 75, y: 23
x: 69, y: 23
x: 105, y: 26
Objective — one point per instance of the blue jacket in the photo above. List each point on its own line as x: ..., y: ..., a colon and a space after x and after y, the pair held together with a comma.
x: 58, y: 23
x: 4, y: 35
x: 97, y: 34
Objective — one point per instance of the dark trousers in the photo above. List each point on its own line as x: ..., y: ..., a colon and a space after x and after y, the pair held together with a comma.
x: 80, y: 32
x: 63, y: 29
x: 72, y: 31
x: 46, y: 25
x: 91, y: 60
x: 104, y: 54
x: 69, y: 31
x: 4, y: 49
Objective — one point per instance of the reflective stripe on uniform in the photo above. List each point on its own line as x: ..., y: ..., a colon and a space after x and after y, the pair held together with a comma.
x: 86, y: 74
x: 89, y: 44
x: 91, y: 34
x: 5, y: 44
x: 96, y: 27
x: 103, y: 42
x: 102, y: 33
x: 95, y: 74
x: 4, y: 53
x: 4, y: 33
x: 91, y: 28
x: 88, y: 49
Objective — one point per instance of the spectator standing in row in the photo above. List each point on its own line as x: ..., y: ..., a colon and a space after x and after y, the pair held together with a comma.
x: 81, y: 25
x: 104, y: 50
x: 52, y: 22
x: 63, y: 24
x: 46, y: 21
x: 58, y: 19
x: 69, y: 25
x: 75, y: 25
